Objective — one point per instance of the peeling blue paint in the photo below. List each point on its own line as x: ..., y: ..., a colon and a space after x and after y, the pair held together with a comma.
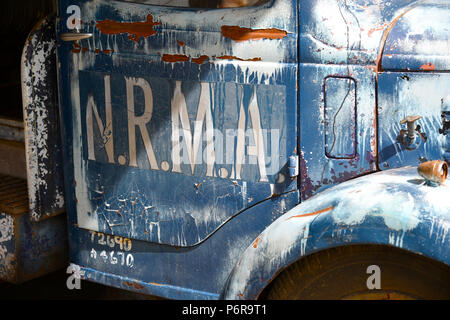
x: 132, y: 100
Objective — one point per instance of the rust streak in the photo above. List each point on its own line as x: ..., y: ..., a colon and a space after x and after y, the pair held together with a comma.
x: 135, y: 30
x: 236, y: 58
x: 428, y: 67
x: 134, y: 285
x: 200, y: 59
x: 312, y: 213
x: 371, y: 31
x: 255, y: 243
x: 237, y: 33
x: 174, y: 58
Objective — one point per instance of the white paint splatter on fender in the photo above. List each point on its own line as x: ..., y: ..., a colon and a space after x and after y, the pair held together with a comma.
x: 398, y: 197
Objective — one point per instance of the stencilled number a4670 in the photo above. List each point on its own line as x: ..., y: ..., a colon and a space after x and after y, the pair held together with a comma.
x: 112, y: 257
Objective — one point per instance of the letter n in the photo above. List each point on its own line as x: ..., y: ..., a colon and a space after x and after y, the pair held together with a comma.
x: 106, y: 129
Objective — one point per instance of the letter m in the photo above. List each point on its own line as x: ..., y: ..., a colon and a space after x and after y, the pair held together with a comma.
x: 179, y: 112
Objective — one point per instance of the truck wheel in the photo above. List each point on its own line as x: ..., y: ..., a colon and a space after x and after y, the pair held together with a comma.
x: 346, y: 273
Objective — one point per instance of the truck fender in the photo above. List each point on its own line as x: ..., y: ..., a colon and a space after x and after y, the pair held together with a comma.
x: 394, y: 207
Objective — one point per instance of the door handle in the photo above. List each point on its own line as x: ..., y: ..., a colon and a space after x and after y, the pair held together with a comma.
x: 75, y: 36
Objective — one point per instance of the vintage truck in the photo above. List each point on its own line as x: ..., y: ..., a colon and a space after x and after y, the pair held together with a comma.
x: 283, y: 150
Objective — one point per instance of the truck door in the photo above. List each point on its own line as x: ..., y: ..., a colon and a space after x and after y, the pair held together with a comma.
x: 175, y: 119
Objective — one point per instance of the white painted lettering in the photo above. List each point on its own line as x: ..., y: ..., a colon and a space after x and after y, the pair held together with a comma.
x: 140, y: 121
x: 106, y: 130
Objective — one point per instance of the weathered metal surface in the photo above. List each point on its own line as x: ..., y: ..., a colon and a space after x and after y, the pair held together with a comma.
x: 401, y: 94
x: 41, y: 119
x: 7, y: 253
x: 343, y: 120
x: 394, y: 207
x: 198, y: 272
x: 420, y: 40
x: 28, y: 249
x: 168, y: 142
x: 163, y: 104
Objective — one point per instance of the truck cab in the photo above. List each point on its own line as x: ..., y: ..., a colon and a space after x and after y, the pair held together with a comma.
x: 213, y: 151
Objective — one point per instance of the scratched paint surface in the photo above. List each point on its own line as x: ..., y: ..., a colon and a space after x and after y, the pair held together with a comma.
x: 342, y: 118
x: 176, y: 139
x: 188, y: 55
x: 7, y: 248
x: 405, y: 213
x: 345, y: 32
x: 402, y: 94
x: 420, y: 40
x: 205, y: 267
x: 41, y: 118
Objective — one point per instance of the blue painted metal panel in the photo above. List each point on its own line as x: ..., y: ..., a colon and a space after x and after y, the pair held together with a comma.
x: 403, y: 94
x: 198, y: 272
x: 136, y: 101
x: 345, y: 32
x: 394, y: 207
x: 318, y: 168
x: 340, y: 117
x: 420, y: 40
x: 191, y: 220
x: 166, y: 148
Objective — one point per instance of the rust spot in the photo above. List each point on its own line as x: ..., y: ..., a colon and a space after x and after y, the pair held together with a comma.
x: 255, y: 243
x: 428, y: 67
x: 76, y: 48
x: 134, y: 285
x: 371, y: 31
x: 180, y: 43
x: 108, y: 51
x: 84, y: 50
x: 135, y: 30
x: 97, y: 51
x: 237, y: 33
x: 200, y: 59
x: 174, y: 58
x: 312, y: 213
x: 236, y: 58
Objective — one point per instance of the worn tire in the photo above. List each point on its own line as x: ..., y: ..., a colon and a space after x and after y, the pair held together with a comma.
x: 341, y: 273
